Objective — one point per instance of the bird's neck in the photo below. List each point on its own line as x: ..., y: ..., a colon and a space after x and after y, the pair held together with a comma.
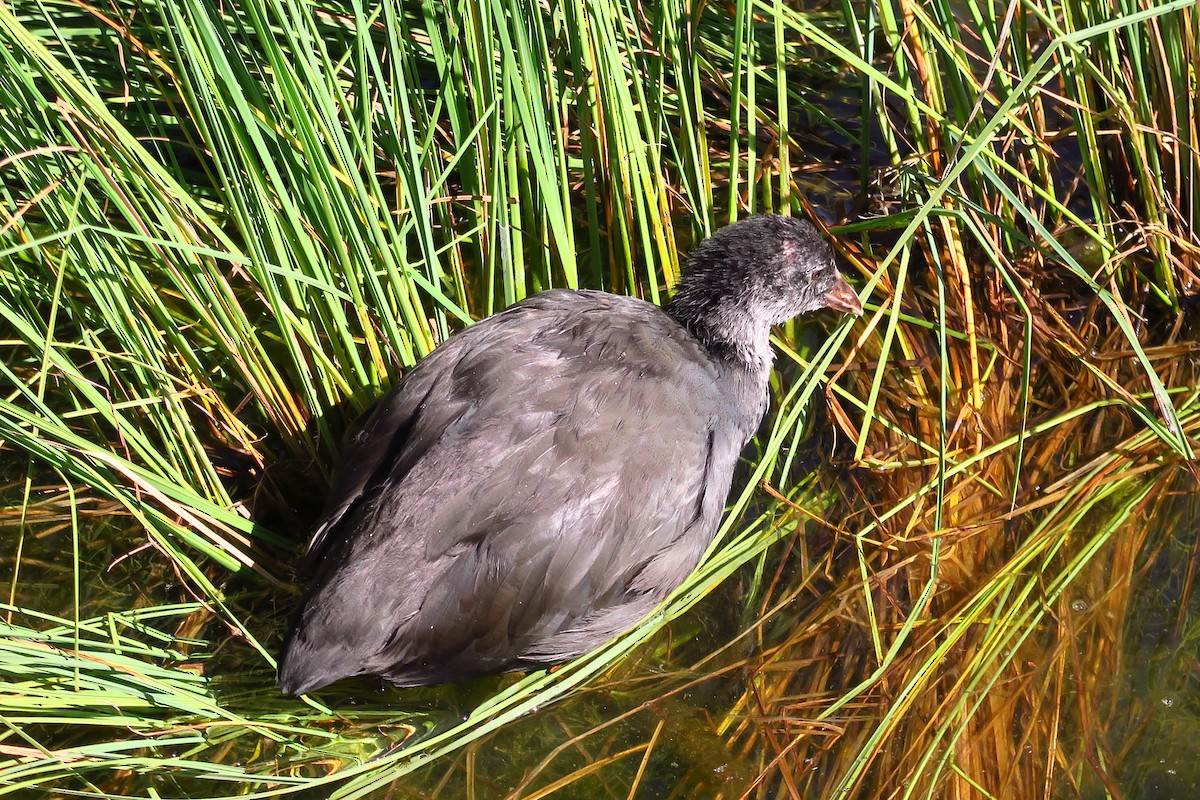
x: 740, y: 348
x: 732, y: 336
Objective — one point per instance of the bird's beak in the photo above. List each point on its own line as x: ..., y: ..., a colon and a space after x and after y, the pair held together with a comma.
x: 842, y: 297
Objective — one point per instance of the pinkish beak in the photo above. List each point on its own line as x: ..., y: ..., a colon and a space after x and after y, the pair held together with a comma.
x: 842, y: 297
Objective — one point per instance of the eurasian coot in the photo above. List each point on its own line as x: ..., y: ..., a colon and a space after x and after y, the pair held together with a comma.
x: 544, y: 478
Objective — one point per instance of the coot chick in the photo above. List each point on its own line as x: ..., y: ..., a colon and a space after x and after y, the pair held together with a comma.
x: 538, y: 483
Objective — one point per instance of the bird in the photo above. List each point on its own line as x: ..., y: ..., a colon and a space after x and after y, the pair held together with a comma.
x: 539, y: 482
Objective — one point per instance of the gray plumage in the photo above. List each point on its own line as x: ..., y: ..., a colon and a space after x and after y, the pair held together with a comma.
x: 543, y: 479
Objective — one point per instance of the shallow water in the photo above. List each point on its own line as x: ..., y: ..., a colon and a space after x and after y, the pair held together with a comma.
x: 665, y: 722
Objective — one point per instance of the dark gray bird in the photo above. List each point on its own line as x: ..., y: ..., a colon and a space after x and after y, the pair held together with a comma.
x: 538, y: 483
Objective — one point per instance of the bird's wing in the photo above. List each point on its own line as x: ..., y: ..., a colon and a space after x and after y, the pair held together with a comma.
x: 408, y: 421
x: 540, y: 486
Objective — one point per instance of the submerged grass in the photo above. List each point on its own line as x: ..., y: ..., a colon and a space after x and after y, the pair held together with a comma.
x: 226, y: 228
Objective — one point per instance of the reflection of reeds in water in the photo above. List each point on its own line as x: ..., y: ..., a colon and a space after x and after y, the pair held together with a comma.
x: 1019, y: 449
x: 964, y: 626
x: 1023, y: 429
